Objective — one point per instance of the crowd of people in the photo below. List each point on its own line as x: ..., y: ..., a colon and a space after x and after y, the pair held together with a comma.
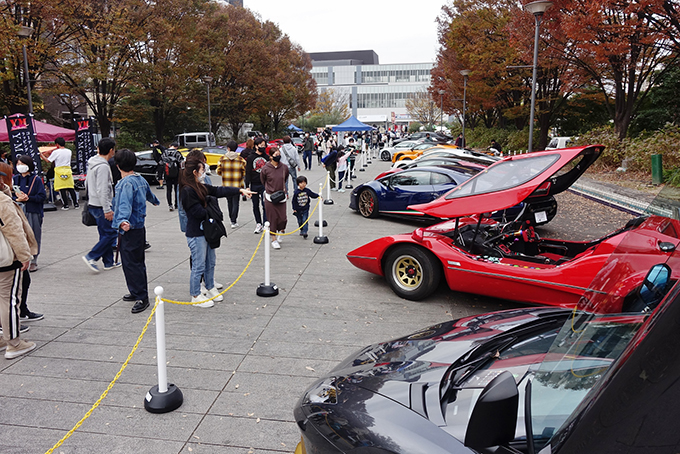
x: 117, y: 198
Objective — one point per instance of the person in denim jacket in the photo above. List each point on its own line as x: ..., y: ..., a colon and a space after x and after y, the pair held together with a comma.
x: 129, y: 212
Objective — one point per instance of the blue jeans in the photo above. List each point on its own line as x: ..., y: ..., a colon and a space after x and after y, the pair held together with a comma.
x: 202, y: 264
x: 307, y: 159
x: 107, y: 238
x: 301, y: 218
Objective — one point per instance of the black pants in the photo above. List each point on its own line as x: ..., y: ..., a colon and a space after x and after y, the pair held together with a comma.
x: 170, y: 185
x: 258, y: 201
x: 65, y: 193
x: 232, y: 206
x: 131, y: 247
x: 25, y: 284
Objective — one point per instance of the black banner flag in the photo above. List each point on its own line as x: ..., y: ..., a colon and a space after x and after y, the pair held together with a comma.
x: 85, y: 148
x: 22, y: 138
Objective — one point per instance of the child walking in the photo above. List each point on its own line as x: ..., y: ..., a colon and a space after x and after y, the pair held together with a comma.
x: 301, y: 204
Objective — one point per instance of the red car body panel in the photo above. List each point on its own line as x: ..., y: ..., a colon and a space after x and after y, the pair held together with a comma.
x: 456, y: 203
x: 549, y: 284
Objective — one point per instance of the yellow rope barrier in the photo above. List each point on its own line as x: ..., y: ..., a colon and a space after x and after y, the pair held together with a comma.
x: 108, y: 388
x: 134, y: 349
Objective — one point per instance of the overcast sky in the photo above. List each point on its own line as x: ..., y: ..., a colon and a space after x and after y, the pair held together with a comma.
x: 399, y: 32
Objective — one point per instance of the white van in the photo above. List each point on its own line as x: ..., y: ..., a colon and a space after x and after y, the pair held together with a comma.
x: 559, y: 142
x: 195, y: 139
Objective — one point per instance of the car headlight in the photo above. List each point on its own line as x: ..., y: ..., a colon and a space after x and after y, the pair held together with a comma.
x: 325, y: 392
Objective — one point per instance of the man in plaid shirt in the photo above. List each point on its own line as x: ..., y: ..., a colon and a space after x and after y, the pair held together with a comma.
x: 232, y: 169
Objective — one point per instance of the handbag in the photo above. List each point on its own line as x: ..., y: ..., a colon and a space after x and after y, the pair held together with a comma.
x: 278, y: 197
x: 213, y: 227
x: 88, y: 219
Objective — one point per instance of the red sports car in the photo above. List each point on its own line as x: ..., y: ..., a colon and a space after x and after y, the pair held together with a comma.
x: 509, y: 260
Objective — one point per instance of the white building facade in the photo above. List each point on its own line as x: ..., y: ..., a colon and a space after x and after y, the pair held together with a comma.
x: 376, y: 93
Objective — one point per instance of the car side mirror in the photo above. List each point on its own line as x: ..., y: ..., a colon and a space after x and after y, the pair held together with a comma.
x: 654, y: 287
x: 494, y: 417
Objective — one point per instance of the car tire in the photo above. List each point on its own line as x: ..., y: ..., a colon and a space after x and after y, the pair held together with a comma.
x: 367, y: 203
x: 412, y: 272
x: 385, y: 155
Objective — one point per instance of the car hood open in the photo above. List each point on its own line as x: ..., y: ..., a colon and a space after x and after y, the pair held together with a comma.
x: 513, y: 180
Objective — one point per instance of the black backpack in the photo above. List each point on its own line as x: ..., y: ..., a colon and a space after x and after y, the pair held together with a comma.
x: 213, y: 227
x: 172, y: 163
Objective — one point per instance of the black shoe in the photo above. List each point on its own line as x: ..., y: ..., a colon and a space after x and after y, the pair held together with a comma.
x: 76, y: 206
x: 305, y: 236
x: 22, y: 329
x: 129, y: 297
x: 140, y: 306
x: 147, y: 245
x: 30, y: 317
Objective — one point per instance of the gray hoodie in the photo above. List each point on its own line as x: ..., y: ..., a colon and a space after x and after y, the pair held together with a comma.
x: 99, y: 183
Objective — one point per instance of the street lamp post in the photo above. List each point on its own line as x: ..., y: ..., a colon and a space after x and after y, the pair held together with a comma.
x: 465, y: 73
x: 26, y: 32
x: 207, y: 80
x: 441, y: 106
x: 537, y: 9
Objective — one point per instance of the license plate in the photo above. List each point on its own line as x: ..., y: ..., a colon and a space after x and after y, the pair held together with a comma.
x: 541, y: 217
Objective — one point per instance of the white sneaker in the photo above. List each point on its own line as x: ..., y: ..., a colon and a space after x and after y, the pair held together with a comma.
x: 218, y: 286
x: 276, y: 245
x: 279, y: 237
x: 258, y: 228
x: 201, y: 297
x: 341, y: 190
x: 213, y: 292
x: 234, y: 225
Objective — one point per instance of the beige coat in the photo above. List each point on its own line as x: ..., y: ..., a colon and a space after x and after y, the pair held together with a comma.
x: 15, y: 228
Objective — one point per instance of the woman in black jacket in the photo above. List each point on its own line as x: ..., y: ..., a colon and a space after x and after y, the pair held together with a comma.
x: 193, y: 195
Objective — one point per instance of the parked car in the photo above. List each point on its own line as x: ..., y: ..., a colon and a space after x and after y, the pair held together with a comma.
x: 514, y: 381
x: 386, y: 153
x: 508, y: 259
x: 298, y: 142
x: 559, y: 142
x: 195, y: 139
x: 434, y: 136
x: 392, y: 194
x: 449, y: 151
x: 212, y: 154
x: 146, y: 166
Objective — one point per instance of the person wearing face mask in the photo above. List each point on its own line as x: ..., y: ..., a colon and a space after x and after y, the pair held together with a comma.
x: 32, y: 195
x: 254, y: 165
x: 273, y: 176
x: 193, y: 197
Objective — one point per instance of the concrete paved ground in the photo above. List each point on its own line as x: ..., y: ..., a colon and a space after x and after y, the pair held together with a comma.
x: 241, y: 365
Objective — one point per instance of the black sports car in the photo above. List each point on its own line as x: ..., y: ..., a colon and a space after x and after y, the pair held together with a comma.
x: 511, y: 381
x: 146, y: 166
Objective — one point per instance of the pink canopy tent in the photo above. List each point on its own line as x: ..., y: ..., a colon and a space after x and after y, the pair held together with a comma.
x: 45, y: 132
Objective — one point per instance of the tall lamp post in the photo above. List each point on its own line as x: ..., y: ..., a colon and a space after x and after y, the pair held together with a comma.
x: 441, y: 107
x: 26, y: 32
x: 465, y: 73
x: 207, y: 80
x: 537, y: 9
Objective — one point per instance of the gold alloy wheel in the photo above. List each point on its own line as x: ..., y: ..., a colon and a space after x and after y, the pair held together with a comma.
x: 407, y: 272
x: 366, y: 203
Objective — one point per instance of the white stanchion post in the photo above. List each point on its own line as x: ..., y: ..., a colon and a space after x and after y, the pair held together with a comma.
x: 328, y: 200
x: 363, y: 162
x: 267, y: 289
x: 368, y: 154
x: 320, y: 239
x: 164, y: 397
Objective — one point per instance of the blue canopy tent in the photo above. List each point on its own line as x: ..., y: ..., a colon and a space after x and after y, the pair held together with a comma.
x: 352, y: 124
x: 294, y: 128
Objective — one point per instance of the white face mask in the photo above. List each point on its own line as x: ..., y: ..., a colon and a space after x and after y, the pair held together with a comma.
x: 22, y: 168
x: 201, y: 177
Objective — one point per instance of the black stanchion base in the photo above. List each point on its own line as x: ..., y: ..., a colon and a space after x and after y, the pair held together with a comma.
x: 321, y: 239
x: 266, y: 291
x: 325, y: 224
x: 349, y: 186
x: 328, y: 202
x: 362, y: 170
x: 156, y: 402
x: 49, y: 207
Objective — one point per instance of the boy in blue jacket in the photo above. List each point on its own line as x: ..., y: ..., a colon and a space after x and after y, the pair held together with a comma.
x: 301, y: 198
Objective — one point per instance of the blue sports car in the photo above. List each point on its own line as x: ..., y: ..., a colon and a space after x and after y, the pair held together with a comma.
x: 393, y: 193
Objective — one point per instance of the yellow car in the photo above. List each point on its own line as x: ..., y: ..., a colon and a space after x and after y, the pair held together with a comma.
x: 212, y: 154
x: 409, y: 155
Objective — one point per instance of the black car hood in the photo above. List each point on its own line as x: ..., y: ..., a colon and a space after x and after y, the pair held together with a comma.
x: 390, y: 368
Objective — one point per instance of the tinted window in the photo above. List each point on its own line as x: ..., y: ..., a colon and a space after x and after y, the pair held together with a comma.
x: 440, y: 178
x: 190, y: 139
x: 505, y: 175
x: 411, y: 179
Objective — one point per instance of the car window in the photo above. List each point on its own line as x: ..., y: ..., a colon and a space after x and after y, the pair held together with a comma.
x: 553, y: 144
x: 417, y: 178
x: 144, y: 154
x: 440, y: 178
x: 505, y: 175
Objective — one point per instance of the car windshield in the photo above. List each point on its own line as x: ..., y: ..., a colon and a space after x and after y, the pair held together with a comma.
x: 505, y: 175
